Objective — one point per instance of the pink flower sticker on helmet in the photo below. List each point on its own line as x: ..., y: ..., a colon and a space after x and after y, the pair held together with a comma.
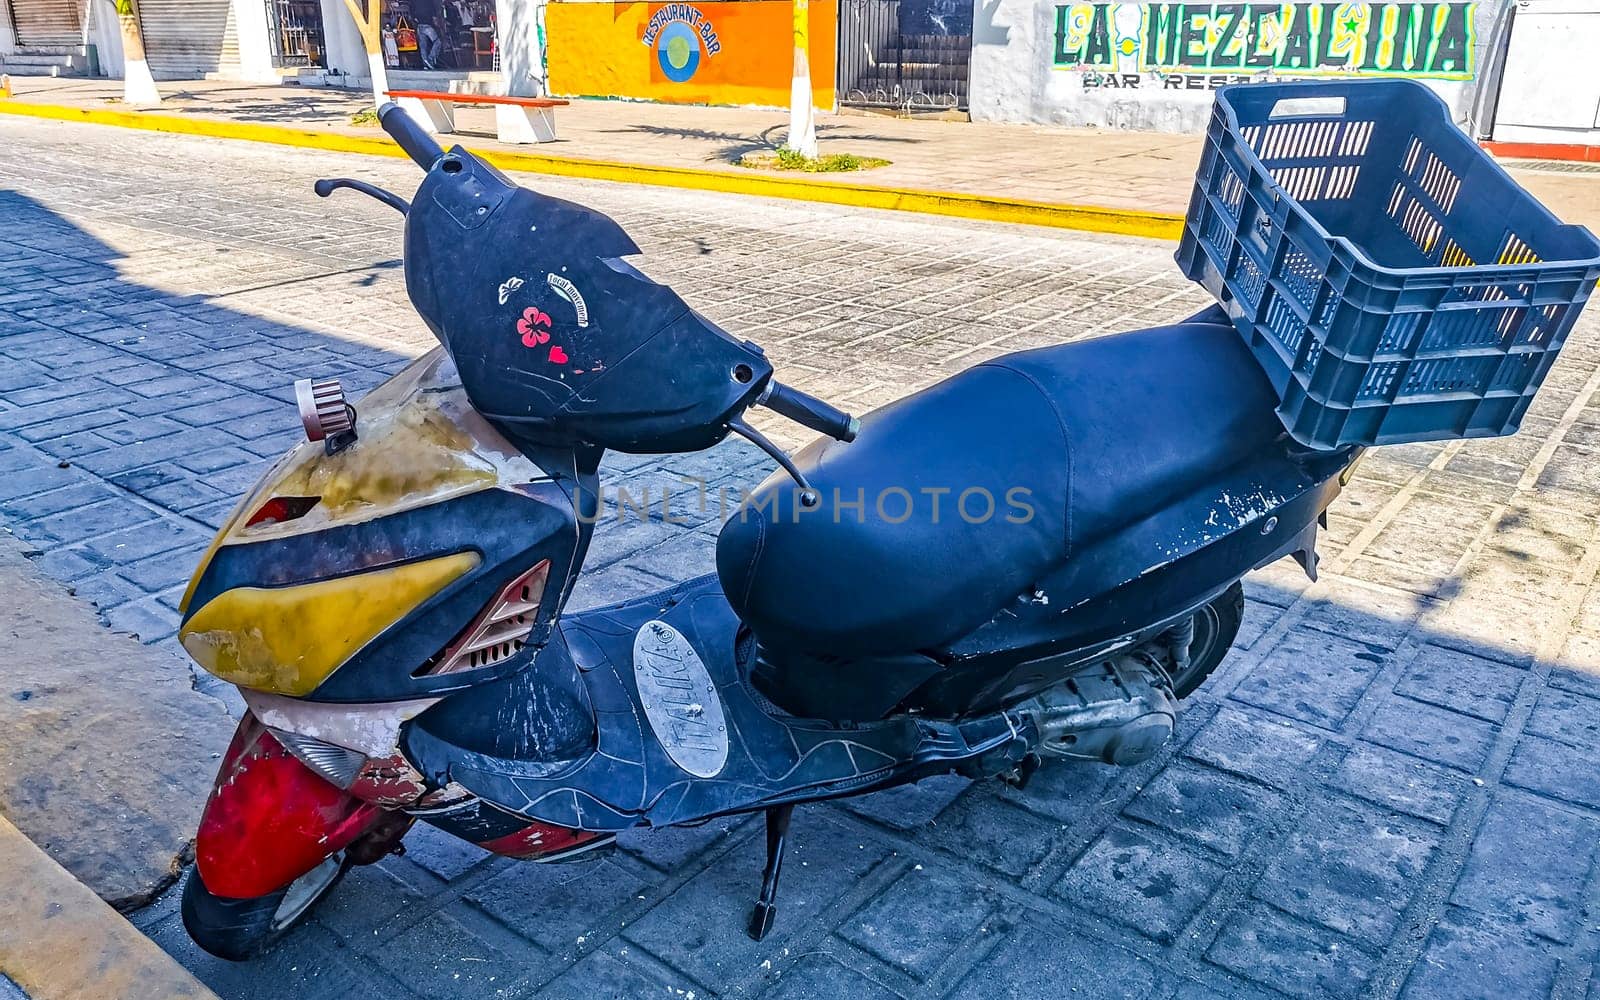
x: 528, y: 327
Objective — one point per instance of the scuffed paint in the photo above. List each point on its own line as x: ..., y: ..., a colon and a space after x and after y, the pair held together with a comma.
x: 270, y: 819
x: 451, y: 796
x: 545, y: 842
x: 1231, y: 510
x: 288, y: 640
x: 419, y: 442
x: 390, y: 782
x: 373, y: 730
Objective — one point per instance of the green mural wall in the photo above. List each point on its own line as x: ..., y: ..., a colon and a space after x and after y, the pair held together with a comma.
x: 1427, y: 41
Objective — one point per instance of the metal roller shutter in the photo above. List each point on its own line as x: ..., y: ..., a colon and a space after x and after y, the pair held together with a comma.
x: 47, y: 23
x: 186, y: 39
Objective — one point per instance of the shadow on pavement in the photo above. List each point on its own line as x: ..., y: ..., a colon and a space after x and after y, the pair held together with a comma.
x: 734, y: 145
x: 321, y: 106
x: 131, y: 418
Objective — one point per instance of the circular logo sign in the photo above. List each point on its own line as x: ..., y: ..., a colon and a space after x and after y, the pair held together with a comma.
x: 680, y: 700
x: 678, y: 50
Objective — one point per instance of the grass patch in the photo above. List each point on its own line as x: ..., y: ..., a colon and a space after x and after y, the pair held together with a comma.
x: 366, y: 116
x: 785, y: 158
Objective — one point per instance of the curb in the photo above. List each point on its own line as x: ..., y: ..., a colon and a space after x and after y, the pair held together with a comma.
x: 1565, y: 151
x: 59, y: 941
x: 1087, y: 218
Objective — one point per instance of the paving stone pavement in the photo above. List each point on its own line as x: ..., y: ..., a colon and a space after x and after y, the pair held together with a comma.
x: 1388, y: 790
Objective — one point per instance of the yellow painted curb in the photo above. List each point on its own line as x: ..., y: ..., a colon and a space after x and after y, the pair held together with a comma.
x: 59, y: 941
x: 1089, y: 218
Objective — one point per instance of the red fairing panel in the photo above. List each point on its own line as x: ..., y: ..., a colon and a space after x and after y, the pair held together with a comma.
x: 270, y: 819
x: 539, y: 840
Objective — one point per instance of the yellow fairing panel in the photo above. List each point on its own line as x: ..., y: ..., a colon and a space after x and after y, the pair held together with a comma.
x: 287, y: 640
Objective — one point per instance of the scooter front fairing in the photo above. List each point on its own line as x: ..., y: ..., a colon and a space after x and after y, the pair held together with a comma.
x: 344, y: 574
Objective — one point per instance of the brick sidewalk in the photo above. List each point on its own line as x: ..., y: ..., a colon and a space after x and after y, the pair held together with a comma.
x: 1144, y: 171
x: 1389, y: 789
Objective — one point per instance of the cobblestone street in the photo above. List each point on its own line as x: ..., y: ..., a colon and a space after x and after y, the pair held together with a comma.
x: 1389, y: 789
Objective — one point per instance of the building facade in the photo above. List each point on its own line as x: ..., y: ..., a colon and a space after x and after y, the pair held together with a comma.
x: 268, y: 41
x: 1511, y: 70
x: 1153, y: 65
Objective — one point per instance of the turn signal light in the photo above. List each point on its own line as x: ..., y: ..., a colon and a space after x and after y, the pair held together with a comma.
x: 280, y: 509
x: 389, y: 781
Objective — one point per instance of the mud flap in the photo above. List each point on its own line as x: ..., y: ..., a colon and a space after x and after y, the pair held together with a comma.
x: 1305, y: 546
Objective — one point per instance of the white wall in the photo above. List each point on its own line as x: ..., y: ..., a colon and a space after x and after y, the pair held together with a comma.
x: 8, y: 41
x: 521, y: 24
x: 1549, y: 93
x: 255, y: 48
x: 105, y: 34
x: 346, y: 53
x: 1103, y: 75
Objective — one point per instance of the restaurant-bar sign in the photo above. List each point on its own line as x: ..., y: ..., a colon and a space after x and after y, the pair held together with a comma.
x: 1362, y: 39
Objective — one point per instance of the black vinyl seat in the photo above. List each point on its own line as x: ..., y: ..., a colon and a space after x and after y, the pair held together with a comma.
x: 953, y: 501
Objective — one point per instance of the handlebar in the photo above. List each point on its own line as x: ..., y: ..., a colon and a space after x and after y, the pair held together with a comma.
x: 809, y: 411
x: 409, y: 136
x: 328, y: 185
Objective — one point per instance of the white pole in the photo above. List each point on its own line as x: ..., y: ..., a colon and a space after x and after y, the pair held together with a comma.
x: 370, y: 24
x: 802, y: 116
x: 138, y: 85
x: 379, y: 72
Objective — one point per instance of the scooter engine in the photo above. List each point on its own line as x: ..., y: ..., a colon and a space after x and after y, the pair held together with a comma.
x: 1120, y: 711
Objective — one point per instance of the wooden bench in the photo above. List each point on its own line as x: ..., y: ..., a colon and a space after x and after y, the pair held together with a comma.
x: 516, y: 119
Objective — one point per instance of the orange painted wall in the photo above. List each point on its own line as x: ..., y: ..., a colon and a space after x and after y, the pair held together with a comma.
x: 598, y: 50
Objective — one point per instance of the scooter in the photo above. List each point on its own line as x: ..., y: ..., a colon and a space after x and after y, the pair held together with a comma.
x: 1036, y: 559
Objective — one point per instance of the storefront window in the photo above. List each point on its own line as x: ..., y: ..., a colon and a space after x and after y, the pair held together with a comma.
x: 439, y: 34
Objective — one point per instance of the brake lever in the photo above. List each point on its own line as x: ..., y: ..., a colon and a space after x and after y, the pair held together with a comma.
x: 328, y: 185
x: 808, y: 496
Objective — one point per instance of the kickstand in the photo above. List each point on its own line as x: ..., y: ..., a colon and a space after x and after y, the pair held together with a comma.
x: 766, y: 910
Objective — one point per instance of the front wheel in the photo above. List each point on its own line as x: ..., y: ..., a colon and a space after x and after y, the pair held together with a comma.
x: 240, y: 929
x: 1216, y: 625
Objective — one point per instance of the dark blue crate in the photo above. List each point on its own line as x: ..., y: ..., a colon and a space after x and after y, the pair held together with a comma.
x: 1393, y: 282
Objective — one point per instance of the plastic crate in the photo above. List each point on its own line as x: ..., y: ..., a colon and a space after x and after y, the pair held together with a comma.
x: 1394, y: 283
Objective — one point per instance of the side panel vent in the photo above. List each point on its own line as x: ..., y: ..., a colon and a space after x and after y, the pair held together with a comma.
x: 500, y: 631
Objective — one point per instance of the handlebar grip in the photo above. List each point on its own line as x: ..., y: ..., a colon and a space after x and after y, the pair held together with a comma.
x: 409, y: 136
x: 809, y: 411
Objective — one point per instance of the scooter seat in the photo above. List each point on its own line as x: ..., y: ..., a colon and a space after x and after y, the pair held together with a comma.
x: 953, y: 501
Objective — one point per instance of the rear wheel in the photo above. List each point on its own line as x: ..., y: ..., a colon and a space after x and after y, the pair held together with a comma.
x: 240, y: 929
x: 1216, y: 625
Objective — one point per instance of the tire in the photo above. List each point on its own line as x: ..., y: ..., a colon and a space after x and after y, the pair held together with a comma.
x: 1216, y: 625
x: 242, y: 929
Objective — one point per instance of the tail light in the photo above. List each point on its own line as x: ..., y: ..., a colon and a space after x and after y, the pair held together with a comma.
x: 280, y: 509
x: 500, y: 631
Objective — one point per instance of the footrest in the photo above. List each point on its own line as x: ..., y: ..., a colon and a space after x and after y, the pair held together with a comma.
x: 682, y: 737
